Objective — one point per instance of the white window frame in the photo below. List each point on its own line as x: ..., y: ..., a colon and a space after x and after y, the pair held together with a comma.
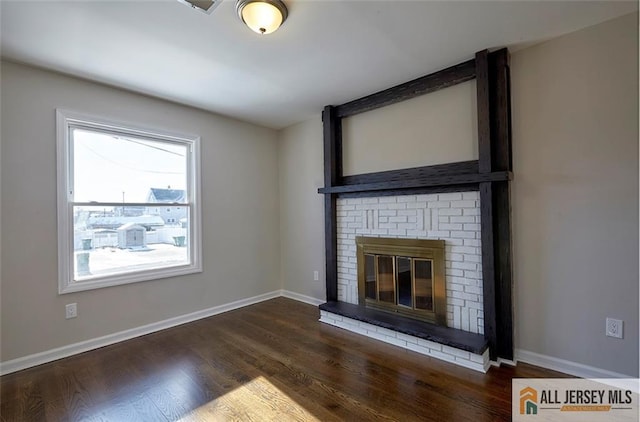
x: 67, y: 119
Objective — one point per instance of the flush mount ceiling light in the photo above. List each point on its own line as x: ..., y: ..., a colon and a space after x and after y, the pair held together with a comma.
x: 262, y: 16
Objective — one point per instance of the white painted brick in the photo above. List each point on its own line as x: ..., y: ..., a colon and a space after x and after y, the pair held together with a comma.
x: 473, y: 304
x: 450, y: 211
x: 415, y: 221
x: 438, y: 205
x: 398, y: 232
x: 395, y: 341
x: 454, y: 272
x: 476, y: 358
x: 463, y: 204
x: 443, y: 356
x: 456, y: 316
x: 385, y: 331
x: 429, y: 344
x: 473, y: 290
x: 444, y: 226
x: 398, y: 219
x: 463, y: 281
x: 407, y: 212
x: 472, y: 242
x: 456, y: 196
x: 407, y: 338
x: 465, y: 296
x: 418, y: 348
x: 427, y: 198
x: 441, y: 219
x: 471, y: 211
x: 464, y: 318
x: 416, y: 205
x: 472, y: 266
x: 364, y: 207
x: 379, y: 232
x: 473, y: 320
x: 464, y: 219
x: 455, y: 257
x: 456, y: 352
x: 472, y: 274
x: 387, y: 213
x: 472, y: 258
x: 387, y: 199
x: 463, y: 235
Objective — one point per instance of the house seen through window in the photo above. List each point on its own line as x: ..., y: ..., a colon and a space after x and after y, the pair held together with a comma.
x: 127, y: 199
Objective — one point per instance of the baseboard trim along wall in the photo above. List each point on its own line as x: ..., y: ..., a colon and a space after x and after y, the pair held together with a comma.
x: 302, y: 298
x: 565, y: 366
x: 84, y: 346
x: 14, y: 365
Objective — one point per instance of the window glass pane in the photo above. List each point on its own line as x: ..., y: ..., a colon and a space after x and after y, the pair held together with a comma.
x: 385, y: 279
x: 404, y: 281
x: 116, y: 240
x: 116, y: 168
x: 370, y: 277
x: 424, y: 284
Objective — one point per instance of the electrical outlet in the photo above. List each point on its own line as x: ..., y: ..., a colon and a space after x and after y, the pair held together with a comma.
x: 71, y: 310
x: 316, y: 276
x: 614, y: 327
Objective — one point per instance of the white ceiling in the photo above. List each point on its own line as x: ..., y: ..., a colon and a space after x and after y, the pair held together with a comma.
x: 327, y: 52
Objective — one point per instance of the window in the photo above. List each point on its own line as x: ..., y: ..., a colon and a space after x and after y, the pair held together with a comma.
x: 119, y: 187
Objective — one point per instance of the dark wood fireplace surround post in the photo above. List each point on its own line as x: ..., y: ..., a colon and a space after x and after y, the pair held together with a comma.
x: 490, y: 175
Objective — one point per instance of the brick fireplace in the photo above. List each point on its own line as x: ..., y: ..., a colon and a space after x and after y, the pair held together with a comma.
x: 465, y: 204
x: 451, y: 217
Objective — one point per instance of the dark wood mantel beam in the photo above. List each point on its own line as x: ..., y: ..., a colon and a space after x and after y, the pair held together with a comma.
x: 430, y: 83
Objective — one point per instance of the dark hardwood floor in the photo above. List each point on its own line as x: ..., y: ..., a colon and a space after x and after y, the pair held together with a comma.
x: 270, y: 361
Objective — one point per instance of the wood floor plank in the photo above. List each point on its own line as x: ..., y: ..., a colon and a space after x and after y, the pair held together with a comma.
x: 272, y: 361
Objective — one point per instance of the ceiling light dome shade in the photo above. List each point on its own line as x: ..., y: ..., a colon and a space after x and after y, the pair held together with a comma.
x: 262, y: 16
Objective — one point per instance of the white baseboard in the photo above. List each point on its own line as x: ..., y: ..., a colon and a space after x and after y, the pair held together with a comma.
x: 84, y: 346
x: 565, y: 366
x: 302, y: 298
x: 14, y: 365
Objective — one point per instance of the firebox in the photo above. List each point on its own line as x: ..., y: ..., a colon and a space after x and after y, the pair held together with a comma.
x: 403, y: 276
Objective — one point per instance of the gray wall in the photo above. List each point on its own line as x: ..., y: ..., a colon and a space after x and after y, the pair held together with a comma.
x: 302, y: 208
x: 239, y: 202
x: 574, y: 196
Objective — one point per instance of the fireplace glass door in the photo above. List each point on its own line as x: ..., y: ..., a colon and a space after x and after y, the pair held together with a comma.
x: 403, y: 276
x: 399, y: 281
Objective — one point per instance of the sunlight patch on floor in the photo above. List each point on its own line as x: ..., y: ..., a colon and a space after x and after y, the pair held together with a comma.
x: 256, y: 400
